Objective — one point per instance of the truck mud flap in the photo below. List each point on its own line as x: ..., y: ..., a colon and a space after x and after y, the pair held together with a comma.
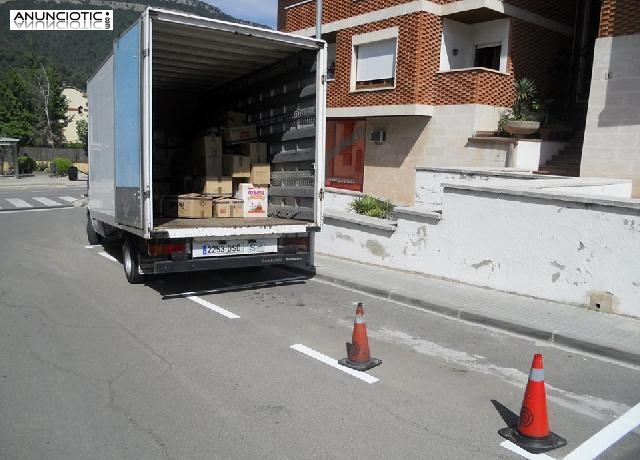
x: 214, y: 263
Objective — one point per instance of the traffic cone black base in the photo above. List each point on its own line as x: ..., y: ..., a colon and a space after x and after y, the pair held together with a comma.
x: 530, y: 444
x: 363, y: 366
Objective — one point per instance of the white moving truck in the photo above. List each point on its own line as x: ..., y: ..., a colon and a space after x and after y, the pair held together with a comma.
x: 174, y: 79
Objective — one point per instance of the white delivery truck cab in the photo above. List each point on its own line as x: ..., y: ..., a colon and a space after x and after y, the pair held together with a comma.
x: 184, y: 113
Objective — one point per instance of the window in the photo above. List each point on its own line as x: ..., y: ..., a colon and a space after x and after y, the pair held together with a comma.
x: 331, y: 61
x: 488, y: 57
x: 375, y: 64
x: 345, y: 154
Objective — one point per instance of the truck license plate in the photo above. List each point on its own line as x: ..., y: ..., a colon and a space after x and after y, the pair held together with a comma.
x: 208, y: 248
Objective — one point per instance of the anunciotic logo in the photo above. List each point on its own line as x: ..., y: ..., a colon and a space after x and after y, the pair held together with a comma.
x: 61, y: 20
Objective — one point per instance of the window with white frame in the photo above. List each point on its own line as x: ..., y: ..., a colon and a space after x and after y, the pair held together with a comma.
x: 374, y: 60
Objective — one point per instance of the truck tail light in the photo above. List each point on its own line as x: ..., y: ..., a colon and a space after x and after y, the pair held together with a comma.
x: 166, y: 248
x: 291, y: 245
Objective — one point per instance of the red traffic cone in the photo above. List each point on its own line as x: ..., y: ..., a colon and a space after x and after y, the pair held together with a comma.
x: 358, y: 356
x: 532, y: 432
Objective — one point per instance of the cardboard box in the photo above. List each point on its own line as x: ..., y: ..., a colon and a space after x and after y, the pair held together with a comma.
x: 257, y: 151
x: 260, y: 174
x: 240, y: 133
x: 231, y: 118
x: 213, y: 166
x: 220, y: 185
x: 255, y: 200
x: 228, y: 207
x: 236, y: 166
x: 207, y: 146
x: 191, y: 205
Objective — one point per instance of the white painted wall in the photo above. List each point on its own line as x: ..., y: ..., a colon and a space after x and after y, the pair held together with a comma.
x: 550, y: 246
x: 465, y: 38
x: 533, y: 153
x: 430, y: 183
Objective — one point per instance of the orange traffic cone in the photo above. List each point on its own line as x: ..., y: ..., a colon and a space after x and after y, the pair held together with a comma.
x: 532, y: 432
x: 358, y: 356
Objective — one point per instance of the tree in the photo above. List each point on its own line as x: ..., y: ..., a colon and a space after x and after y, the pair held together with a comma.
x: 82, y: 129
x: 32, y: 106
x: 50, y: 103
x: 17, y: 118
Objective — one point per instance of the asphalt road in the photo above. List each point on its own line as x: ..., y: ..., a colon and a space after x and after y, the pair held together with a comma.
x: 92, y: 367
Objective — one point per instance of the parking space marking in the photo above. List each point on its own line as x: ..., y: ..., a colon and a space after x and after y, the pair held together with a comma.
x: 68, y: 199
x: 523, y: 453
x: 18, y: 203
x: 46, y: 201
x: 608, y: 436
x: 334, y: 363
x: 213, y: 307
x: 108, y: 256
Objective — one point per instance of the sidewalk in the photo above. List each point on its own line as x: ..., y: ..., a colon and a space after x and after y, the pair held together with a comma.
x: 602, y: 334
x: 42, y: 179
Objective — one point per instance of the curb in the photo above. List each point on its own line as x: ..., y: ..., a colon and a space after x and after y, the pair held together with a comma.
x: 38, y: 208
x: 477, y: 318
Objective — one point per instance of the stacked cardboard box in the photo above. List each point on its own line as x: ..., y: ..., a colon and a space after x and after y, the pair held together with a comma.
x: 190, y: 205
x: 226, y: 168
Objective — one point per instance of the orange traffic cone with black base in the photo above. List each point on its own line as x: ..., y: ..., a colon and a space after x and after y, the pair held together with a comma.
x: 532, y: 432
x: 358, y: 356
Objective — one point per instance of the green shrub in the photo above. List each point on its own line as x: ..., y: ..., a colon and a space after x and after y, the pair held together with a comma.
x: 372, y: 207
x: 26, y: 164
x: 41, y: 166
x: 62, y: 165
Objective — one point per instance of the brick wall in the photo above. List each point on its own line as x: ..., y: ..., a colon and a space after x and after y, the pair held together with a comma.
x: 542, y: 55
x: 619, y: 17
x: 476, y: 86
x: 304, y: 16
x: 417, y: 61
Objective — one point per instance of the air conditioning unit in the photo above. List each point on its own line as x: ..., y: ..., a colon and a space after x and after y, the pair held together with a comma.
x: 378, y: 136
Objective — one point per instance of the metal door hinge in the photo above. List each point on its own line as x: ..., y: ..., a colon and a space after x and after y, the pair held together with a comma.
x: 321, y: 194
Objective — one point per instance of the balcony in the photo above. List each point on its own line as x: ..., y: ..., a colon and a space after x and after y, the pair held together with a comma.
x: 475, y: 85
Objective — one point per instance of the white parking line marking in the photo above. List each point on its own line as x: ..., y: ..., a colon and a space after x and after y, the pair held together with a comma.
x: 213, y: 307
x: 18, y: 203
x: 608, y: 436
x: 46, y: 201
x: 333, y: 363
x: 93, y: 246
x: 108, y: 256
x: 68, y: 199
x: 523, y: 453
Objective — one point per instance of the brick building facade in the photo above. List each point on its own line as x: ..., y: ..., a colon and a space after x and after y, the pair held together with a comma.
x: 451, y: 71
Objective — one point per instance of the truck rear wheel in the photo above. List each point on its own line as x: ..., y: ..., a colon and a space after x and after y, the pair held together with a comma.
x: 130, y: 261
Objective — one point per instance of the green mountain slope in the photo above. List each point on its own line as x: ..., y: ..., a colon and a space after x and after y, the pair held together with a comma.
x: 77, y: 54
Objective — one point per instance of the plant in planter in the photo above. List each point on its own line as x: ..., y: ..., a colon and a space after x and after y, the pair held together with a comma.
x: 524, y: 116
x: 372, y: 207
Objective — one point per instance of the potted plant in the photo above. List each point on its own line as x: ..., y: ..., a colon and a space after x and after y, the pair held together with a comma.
x: 524, y: 116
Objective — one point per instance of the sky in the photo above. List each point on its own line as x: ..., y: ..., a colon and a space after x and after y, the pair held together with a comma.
x: 260, y: 11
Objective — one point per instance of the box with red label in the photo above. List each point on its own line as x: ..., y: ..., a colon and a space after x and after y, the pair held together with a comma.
x: 255, y: 200
x: 240, y: 133
x: 228, y: 207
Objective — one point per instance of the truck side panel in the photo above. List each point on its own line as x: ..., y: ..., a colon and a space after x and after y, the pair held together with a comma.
x: 128, y: 130
x: 101, y: 141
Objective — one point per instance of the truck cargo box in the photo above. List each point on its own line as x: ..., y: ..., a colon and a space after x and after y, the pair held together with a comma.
x: 181, y: 96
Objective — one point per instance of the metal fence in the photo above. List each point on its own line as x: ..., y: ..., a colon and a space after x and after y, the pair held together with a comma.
x: 48, y: 154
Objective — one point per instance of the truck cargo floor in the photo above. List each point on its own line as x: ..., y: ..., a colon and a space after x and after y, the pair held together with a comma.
x: 165, y: 223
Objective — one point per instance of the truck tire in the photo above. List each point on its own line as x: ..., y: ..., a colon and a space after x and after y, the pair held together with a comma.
x: 93, y: 237
x: 130, y: 261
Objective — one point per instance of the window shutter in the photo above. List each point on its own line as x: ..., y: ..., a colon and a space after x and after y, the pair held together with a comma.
x: 376, y: 60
